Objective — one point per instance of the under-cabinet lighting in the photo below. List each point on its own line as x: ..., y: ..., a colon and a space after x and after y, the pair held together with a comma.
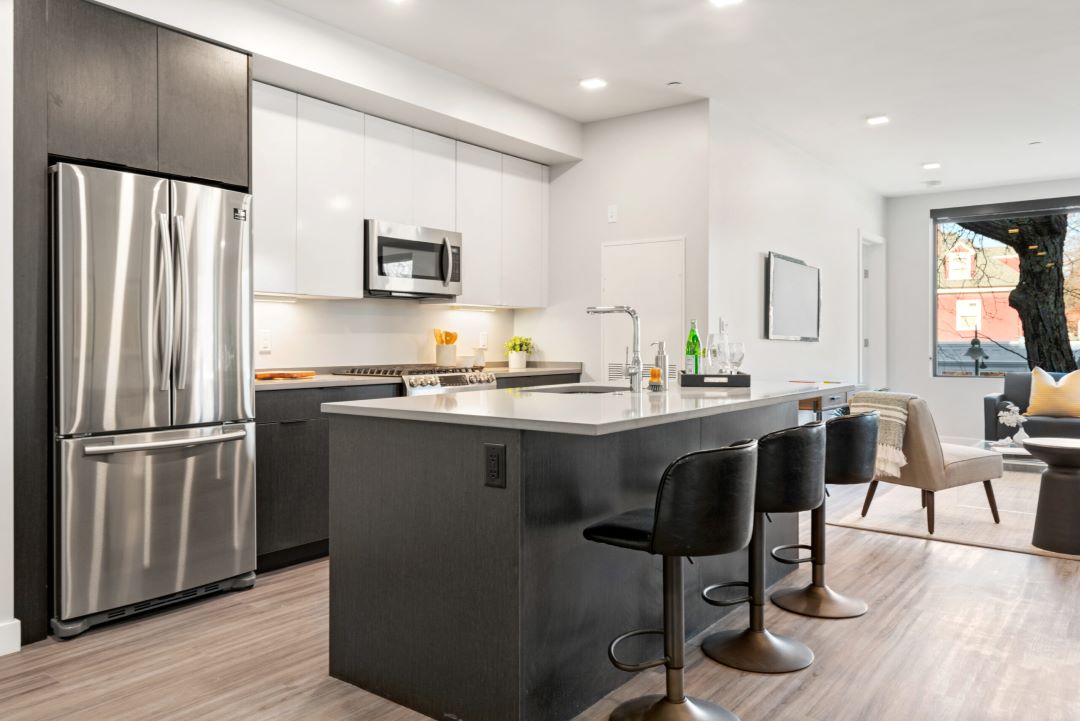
x: 274, y: 298
x: 474, y: 308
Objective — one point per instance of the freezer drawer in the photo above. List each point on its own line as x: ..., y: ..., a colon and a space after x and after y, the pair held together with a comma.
x: 143, y: 515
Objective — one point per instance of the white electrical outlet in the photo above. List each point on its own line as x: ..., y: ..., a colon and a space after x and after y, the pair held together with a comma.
x: 613, y: 213
x: 266, y: 341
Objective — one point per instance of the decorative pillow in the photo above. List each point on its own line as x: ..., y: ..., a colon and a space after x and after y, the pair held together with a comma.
x: 1057, y: 399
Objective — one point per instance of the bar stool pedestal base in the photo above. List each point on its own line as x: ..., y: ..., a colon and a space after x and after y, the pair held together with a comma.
x: 658, y: 708
x: 757, y: 651
x: 819, y: 602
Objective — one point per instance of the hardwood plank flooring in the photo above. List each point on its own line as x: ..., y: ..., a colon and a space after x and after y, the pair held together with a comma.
x: 954, y: 633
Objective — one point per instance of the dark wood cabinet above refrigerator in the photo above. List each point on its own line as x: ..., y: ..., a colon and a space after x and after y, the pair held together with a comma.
x: 126, y: 92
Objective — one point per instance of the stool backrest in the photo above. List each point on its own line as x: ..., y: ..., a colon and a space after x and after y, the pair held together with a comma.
x: 791, y: 469
x: 705, y: 503
x: 851, y: 448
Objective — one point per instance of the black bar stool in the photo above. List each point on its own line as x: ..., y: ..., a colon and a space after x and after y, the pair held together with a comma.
x: 851, y: 451
x: 703, y: 508
x: 790, y: 478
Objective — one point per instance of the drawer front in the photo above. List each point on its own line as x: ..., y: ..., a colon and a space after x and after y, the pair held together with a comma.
x: 304, y: 403
x: 528, y: 381
x: 833, y: 400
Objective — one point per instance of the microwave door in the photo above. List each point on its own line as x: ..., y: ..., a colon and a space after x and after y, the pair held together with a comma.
x: 112, y: 312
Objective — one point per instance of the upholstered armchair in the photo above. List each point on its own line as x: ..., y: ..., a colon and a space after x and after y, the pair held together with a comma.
x: 935, y: 466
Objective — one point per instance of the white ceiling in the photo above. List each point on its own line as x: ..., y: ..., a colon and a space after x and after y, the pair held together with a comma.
x: 968, y: 83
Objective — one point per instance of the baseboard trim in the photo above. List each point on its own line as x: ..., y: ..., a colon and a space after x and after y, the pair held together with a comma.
x: 10, y: 636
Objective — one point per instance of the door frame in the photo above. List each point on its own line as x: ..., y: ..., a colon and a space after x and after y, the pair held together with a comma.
x: 864, y: 239
x: 681, y: 240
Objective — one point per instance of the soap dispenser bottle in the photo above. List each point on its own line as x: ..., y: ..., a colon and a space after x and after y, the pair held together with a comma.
x: 661, y: 363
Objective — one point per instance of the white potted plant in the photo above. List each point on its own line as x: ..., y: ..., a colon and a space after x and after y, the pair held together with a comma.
x: 1011, y: 417
x: 518, y: 349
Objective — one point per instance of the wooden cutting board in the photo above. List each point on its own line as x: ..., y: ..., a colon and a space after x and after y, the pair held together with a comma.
x: 282, y: 375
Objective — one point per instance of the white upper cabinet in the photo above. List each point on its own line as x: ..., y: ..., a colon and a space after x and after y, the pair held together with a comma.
x: 330, y: 200
x: 273, y: 140
x: 388, y: 171
x: 524, y: 245
x: 434, y: 184
x: 479, y: 220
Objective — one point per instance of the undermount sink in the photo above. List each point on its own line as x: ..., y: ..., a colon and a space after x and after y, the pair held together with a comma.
x: 579, y: 389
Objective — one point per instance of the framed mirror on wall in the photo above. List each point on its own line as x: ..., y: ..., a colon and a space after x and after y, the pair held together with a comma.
x: 792, y: 299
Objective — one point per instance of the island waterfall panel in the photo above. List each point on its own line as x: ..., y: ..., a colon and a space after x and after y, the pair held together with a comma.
x: 461, y: 600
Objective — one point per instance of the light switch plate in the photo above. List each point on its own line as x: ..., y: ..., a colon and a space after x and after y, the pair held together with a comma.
x: 266, y: 341
x: 613, y: 213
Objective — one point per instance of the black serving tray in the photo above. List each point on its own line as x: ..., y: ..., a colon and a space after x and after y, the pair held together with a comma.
x: 694, y: 380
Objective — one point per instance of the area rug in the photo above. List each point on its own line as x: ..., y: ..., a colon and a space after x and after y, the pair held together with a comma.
x: 962, y: 515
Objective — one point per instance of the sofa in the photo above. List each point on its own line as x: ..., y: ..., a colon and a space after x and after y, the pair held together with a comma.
x: 1017, y: 391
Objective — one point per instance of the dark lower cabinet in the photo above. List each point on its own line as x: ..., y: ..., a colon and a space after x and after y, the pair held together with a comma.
x: 292, y: 476
x: 203, y: 110
x: 292, y: 471
x: 529, y: 381
x: 103, y: 85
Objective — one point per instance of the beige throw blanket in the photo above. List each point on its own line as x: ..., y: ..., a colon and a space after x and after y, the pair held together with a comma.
x: 892, y: 407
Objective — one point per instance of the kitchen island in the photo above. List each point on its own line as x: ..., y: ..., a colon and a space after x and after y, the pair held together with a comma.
x: 460, y: 583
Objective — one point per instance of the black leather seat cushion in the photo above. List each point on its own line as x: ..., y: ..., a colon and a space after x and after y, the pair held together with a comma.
x: 633, y: 530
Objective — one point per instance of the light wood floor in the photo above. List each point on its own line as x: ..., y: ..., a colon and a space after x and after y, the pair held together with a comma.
x: 954, y: 633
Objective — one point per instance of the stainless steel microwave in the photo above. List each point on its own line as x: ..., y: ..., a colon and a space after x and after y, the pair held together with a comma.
x: 408, y: 261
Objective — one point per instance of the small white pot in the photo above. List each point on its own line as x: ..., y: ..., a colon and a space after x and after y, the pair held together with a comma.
x: 518, y: 359
x: 446, y: 355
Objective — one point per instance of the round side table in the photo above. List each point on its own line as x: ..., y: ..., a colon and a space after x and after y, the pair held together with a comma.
x: 1057, y: 520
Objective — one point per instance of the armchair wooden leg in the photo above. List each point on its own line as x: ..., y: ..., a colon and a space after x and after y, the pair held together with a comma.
x: 929, y: 511
x: 869, y: 497
x: 923, y: 494
x: 993, y: 501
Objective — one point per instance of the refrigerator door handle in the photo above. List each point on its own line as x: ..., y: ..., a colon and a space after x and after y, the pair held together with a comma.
x: 165, y: 300
x: 185, y: 290
x: 106, y: 449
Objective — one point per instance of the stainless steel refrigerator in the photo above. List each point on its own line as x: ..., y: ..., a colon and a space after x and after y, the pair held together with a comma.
x: 154, y: 499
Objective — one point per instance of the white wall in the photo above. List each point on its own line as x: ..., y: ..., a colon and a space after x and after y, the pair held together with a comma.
x: 9, y: 626
x: 302, y: 54
x: 955, y: 402
x: 766, y: 195
x: 654, y: 166
x: 314, y: 333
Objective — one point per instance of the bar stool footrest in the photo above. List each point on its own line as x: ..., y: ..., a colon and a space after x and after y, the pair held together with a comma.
x: 634, y: 667
x: 727, y: 602
x: 775, y: 553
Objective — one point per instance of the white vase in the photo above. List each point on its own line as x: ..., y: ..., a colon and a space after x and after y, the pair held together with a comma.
x: 518, y: 359
x: 446, y: 355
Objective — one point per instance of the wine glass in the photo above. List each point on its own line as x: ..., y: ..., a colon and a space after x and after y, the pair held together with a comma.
x: 712, y: 355
x: 736, y: 353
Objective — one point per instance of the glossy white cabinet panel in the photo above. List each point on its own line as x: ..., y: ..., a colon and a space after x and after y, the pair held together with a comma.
x: 330, y: 200
x: 273, y: 140
x: 524, y: 255
x: 388, y: 171
x: 434, y: 182
x: 479, y: 219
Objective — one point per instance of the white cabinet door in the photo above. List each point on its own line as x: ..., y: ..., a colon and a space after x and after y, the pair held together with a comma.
x: 524, y: 261
x: 434, y: 203
x: 273, y: 185
x: 330, y: 200
x: 479, y: 220
x: 388, y: 168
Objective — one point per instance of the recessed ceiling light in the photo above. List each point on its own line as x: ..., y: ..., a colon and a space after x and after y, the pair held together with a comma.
x: 725, y: 3
x: 931, y: 166
x: 877, y: 120
x: 593, y: 83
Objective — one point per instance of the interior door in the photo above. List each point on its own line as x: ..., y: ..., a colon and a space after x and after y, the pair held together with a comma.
x: 212, y: 371
x: 648, y: 276
x: 112, y: 264
x: 143, y: 515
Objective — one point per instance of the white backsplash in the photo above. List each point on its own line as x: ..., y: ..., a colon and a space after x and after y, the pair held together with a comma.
x: 319, y: 333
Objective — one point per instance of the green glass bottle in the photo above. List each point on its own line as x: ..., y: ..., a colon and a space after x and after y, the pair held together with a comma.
x: 693, y: 350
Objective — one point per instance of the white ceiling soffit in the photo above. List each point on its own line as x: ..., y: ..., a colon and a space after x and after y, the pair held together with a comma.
x: 967, y: 83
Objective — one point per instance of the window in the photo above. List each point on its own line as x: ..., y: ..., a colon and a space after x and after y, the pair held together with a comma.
x: 981, y: 327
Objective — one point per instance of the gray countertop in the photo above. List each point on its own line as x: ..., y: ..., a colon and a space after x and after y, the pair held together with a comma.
x: 324, y: 379
x: 591, y: 414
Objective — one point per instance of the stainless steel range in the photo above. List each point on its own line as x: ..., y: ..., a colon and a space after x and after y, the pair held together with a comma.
x: 427, y: 379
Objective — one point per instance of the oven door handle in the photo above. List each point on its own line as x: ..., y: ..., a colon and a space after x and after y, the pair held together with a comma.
x: 448, y: 265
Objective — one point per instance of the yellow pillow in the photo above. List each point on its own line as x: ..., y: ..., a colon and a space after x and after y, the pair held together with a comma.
x: 1057, y: 399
